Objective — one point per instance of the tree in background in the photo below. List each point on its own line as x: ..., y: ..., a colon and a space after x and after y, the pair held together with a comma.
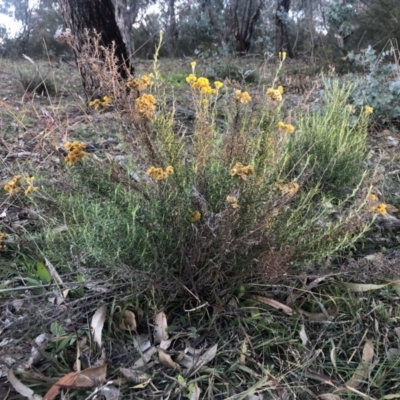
x: 127, y: 14
x: 84, y: 18
x: 281, y: 28
x: 243, y: 27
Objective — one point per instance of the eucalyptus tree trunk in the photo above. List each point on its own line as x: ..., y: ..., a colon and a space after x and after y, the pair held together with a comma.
x: 85, y: 18
x: 243, y: 26
x: 281, y: 27
x: 171, y: 29
x: 126, y: 12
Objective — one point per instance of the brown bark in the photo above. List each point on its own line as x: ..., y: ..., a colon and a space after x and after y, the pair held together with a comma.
x: 243, y: 27
x: 171, y: 29
x: 84, y: 18
x: 282, y: 34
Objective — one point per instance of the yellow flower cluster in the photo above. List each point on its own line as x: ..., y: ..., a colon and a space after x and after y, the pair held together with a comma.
x: 379, y: 209
x: 203, y: 84
x: 97, y: 103
x: 195, y: 216
x: 14, y: 185
x: 282, y: 55
x: 275, y: 94
x: 141, y: 83
x: 30, y: 187
x: 3, y: 236
x: 76, y: 152
x: 243, y: 97
x: 290, y: 188
x: 368, y: 110
x: 159, y: 174
x: 233, y: 201
x: 146, y: 104
x: 286, y: 127
x: 243, y: 171
x: 376, y: 206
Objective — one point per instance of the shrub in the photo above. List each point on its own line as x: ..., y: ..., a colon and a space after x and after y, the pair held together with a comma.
x: 231, y: 203
x: 33, y: 80
x: 379, y: 85
x: 330, y: 146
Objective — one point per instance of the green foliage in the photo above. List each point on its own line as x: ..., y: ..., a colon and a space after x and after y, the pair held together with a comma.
x: 379, y: 85
x: 33, y: 80
x: 240, y: 200
x: 331, y: 144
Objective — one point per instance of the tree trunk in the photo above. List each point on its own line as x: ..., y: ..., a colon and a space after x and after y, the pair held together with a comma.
x: 84, y: 18
x: 126, y: 13
x: 282, y: 35
x: 171, y: 29
x: 243, y: 29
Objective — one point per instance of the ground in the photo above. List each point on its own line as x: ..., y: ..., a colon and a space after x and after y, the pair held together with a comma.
x: 331, y: 331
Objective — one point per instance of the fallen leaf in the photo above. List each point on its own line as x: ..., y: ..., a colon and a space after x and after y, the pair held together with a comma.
x: 128, y: 320
x: 361, y: 371
x: 38, y: 346
x: 273, y: 303
x: 84, y: 379
x: 135, y: 376
x: 194, y: 391
x: 21, y: 388
x: 142, y: 385
x: 166, y: 360
x: 364, y: 287
x: 97, y: 324
x: 53, y: 271
x: 303, y: 335
x: 160, y: 326
x: 206, y: 357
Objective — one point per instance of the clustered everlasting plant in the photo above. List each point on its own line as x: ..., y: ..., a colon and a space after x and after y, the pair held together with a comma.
x: 235, y: 200
x: 14, y: 185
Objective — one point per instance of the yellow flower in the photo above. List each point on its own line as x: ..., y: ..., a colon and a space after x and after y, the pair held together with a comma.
x: 243, y: 171
x: 274, y: 94
x: 280, y: 89
x: 30, y: 188
x: 145, y: 104
x: 141, y: 83
x: 195, y: 216
x: 218, y: 84
x: 286, y: 127
x: 75, y: 145
x: 206, y: 102
x: 282, y: 55
x: 233, y: 201
x: 368, y: 110
x: 201, y: 82
x: 191, y: 79
x: 373, y: 197
x: 158, y: 173
x: 3, y: 236
x: 169, y: 170
x: 243, y: 97
x: 106, y: 100
x: 290, y: 188
x: 379, y: 209
x: 350, y: 108
x: 96, y: 104
x: 14, y: 185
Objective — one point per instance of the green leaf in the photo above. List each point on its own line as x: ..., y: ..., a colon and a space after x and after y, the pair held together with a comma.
x: 43, y: 273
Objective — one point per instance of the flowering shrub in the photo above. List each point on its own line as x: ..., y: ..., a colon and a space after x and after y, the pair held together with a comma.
x: 76, y: 152
x: 235, y: 200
